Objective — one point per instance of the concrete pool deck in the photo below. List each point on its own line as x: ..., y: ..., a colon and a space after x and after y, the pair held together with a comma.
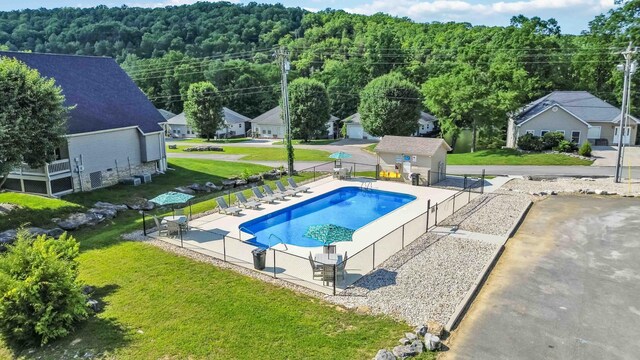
x: 218, y: 235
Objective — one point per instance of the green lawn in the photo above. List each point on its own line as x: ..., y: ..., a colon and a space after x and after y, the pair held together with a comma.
x: 159, y: 305
x: 34, y: 210
x: 219, y: 141
x: 310, y: 142
x: 512, y: 157
x: 370, y: 148
x: 264, y: 153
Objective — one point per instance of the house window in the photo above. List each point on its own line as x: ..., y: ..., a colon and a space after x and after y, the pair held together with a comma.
x: 265, y: 131
x: 575, y: 137
x: 532, y: 132
x: 560, y: 131
x: 240, y: 126
x: 543, y: 132
x: 269, y: 132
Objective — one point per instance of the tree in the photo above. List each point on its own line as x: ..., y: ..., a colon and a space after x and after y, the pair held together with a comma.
x: 32, y: 117
x: 390, y: 105
x: 203, y: 108
x: 309, y: 106
x: 41, y: 296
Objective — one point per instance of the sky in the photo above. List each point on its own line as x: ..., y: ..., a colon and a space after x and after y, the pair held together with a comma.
x: 573, y: 15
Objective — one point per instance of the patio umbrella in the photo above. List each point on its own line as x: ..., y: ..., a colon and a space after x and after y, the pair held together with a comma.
x: 171, y: 198
x: 340, y: 155
x: 329, y: 233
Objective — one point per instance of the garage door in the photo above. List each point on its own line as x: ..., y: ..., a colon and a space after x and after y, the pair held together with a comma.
x: 354, y: 132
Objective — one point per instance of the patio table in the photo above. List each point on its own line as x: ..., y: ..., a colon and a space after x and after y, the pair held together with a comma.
x: 328, y: 261
x: 180, y: 219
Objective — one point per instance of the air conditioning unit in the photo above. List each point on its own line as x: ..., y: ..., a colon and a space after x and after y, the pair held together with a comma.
x: 144, y: 178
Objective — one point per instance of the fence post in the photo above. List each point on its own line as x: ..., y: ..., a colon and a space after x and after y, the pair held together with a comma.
x: 144, y: 225
x: 428, y: 211
x: 373, y: 260
x: 436, y: 222
x: 354, y: 169
x: 428, y: 177
x: 469, y: 191
x: 335, y: 278
x: 274, y: 265
x: 180, y: 231
x: 224, y: 248
x: 454, y: 203
x: 465, y: 182
x: 482, y: 188
x: 377, y: 171
x: 403, y: 235
x: 229, y: 196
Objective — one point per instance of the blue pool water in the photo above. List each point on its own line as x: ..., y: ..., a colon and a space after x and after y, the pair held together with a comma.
x: 350, y: 207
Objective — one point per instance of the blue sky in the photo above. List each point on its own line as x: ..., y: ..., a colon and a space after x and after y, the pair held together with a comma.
x: 572, y: 15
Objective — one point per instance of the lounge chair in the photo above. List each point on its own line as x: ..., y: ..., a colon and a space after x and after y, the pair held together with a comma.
x: 269, y: 191
x: 225, y: 208
x: 246, y: 203
x: 318, y: 269
x: 284, y: 190
x: 162, y: 228
x: 294, y: 186
x: 262, y: 197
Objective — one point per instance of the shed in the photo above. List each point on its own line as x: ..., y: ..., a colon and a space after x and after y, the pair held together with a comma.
x: 408, y: 155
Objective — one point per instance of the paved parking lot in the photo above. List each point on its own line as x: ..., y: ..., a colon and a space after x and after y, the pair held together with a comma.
x: 566, y: 287
x: 607, y: 155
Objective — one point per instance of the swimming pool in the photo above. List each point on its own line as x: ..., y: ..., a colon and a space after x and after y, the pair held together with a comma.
x: 350, y: 207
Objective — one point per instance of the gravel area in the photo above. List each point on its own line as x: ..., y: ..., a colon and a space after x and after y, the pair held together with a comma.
x: 493, y: 213
x: 572, y: 185
x: 428, y: 286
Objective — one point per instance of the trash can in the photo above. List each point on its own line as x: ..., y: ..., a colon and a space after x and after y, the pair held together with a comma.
x: 259, y: 258
x: 415, y: 179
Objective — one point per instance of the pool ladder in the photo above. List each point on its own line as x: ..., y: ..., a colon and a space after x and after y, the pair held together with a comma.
x: 277, y: 237
x: 368, y: 185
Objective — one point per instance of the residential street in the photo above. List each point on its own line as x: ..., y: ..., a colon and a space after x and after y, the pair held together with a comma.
x: 566, y: 287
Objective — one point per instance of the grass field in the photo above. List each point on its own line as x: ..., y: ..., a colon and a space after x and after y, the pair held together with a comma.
x: 370, y: 148
x: 512, y: 157
x: 160, y: 305
x: 34, y: 210
x: 219, y: 141
x: 310, y: 142
x: 263, y: 153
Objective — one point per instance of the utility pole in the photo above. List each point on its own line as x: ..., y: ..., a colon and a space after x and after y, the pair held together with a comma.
x: 283, y: 58
x: 628, y: 68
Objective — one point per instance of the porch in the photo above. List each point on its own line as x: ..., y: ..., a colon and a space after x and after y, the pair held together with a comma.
x: 52, y: 179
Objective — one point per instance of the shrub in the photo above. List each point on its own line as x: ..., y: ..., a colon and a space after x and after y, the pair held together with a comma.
x: 41, y: 296
x: 530, y: 142
x: 551, y: 140
x: 585, y: 149
x: 566, y: 146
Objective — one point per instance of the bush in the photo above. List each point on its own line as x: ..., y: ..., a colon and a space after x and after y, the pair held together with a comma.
x: 566, y: 146
x: 530, y: 142
x: 551, y: 140
x: 41, y: 296
x: 585, y: 149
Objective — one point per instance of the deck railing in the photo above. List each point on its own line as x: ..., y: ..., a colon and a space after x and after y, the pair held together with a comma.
x: 53, y: 168
x: 59, y: 166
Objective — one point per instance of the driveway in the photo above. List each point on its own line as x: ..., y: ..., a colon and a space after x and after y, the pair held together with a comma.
x: 607, y: 155
x: 566, y: 287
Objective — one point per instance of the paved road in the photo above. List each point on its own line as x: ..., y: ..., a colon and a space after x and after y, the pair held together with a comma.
x: 566, y: 287
x: 541, y: 170
x: 608, y: 155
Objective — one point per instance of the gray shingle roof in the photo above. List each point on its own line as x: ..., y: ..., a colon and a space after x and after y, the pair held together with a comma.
x: 355, y: 118
x: 582, y: 104
x: 410, y: 145
x: 166, y: 114
x: 274, y: 117
x: 230, y: 117
x: 103, y: 94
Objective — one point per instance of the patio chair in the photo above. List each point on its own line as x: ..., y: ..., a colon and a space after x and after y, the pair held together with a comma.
x: 180, y: 212
x: 262, y: 197
x: 294, y: 186
x: 246, y: 203
x: 347, y: 174
x: 225, y: 208
x: 269, y: 191
x: 162, y: 228
x: 173, y: 227
x: 284, y: 190
x: 318, y: 269
x: 342, y: 267
x: 329, y: 249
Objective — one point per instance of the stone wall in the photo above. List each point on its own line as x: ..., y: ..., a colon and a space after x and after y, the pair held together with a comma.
x: 112, y: 177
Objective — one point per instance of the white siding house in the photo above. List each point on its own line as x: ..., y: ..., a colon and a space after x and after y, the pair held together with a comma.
x: 271, y: 125
x: 426, y: 124
x: 235, y: 124
x: 107, y: 138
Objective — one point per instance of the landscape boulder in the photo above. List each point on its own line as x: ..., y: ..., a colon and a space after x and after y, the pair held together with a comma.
x: 273, y: 174
x: 36, y: 231
x: 94, y: 305
x: 203, y: 148
x: 405, y: 351
x: 411, y: 336
x: 384, y: 354
x: 212, y: 186
x: 199, y: 188
x: 106, y: 212
x: 227, y: 184
x: 185, y: 190
x: 140, y: 204
x: 106, y: 205
x: 432, y: 342
x: 8, y: 237
x: 241, y: 182
x: 434, y: 328
x: 77, y: 220
x: 254, y: 178
x: 55, y: 233
x: 600, y: 192
x: 421, y: 330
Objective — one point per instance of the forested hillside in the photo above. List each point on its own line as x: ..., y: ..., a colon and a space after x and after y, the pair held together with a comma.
x: 467, y: 74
